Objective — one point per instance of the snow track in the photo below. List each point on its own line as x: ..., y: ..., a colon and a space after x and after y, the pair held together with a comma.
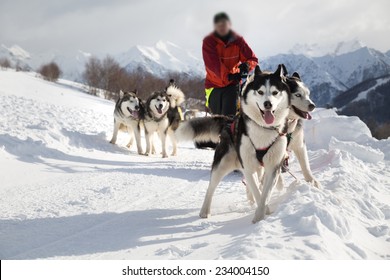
x: 65, y: 192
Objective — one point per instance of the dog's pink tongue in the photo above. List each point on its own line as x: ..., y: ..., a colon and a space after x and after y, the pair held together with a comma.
x: 269, y: 117
x: 308, y: 116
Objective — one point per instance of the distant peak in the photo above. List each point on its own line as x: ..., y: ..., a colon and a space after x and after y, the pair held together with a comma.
x: 161, y: 44
x: 317, y: 50
x: 86, y: 54
x: 17, y: 51
x: 348, y: 46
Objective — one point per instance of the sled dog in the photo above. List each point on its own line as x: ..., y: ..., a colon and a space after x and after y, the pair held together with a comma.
x: 128, y: 114
x: 301, y: 106
x: 254, y: 142
x: 163, y: 116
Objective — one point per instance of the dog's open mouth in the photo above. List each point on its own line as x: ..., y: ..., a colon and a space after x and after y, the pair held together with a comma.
x: 134, y: 113
x: 159, y: 110
x: 302, y: 114
x: 267, y: 115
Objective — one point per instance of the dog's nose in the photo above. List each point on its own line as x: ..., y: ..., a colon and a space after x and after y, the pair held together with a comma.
x: 160, y: 106
x: 137, y: 107
x: 312, y: 107
x: 267, y: 105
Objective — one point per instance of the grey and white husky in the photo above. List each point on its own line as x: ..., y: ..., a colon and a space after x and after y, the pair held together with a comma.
x: 163, y: 116
x: 128, y: 114
x: 301, y: 106
x: 255, y: 142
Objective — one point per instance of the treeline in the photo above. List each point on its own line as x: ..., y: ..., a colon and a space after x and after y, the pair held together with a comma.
x: 106, y: 74
x: 49, y: 71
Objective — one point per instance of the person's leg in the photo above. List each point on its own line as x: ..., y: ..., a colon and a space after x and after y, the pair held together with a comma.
x: 215, y: 101
x: 229, y: 101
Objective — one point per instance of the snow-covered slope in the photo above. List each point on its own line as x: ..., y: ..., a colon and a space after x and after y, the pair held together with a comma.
x: 162, y: 58
x: 66, y: 192
x: 355, y: 67
x: 370, y: 100
x: 71, y: 64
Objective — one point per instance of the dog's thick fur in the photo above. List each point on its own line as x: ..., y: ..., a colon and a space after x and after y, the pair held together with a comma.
x: 301, y: 106
x: 265, y: 105
x: 163, y: 116
x: 128, y: 114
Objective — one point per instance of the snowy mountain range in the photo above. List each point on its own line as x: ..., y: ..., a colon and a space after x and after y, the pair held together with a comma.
x: 162, y: 58
x: 328, y: 70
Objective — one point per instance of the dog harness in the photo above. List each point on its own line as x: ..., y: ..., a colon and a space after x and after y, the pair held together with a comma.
x: 260, y: 153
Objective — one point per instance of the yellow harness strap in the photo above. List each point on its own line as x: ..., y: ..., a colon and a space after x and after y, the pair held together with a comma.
x: 208, y: 93
x: 180, y: 113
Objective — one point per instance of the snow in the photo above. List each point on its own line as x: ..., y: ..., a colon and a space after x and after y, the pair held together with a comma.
x: 66, y: 193
x: 164, y: 57
x: 317, y: 50
x: 378, y: 82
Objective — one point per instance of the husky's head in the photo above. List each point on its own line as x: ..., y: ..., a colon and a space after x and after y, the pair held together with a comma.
x: 175, y: 94
x: 301, y: 104
x: 129, y: 104
x: 158, y: 103
x: 265, y: 98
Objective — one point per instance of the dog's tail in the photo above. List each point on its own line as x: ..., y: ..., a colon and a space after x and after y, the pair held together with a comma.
x: 202, y: 129
x: 176, y: 95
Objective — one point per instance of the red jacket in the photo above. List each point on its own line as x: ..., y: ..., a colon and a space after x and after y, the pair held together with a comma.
x: 221, y: 59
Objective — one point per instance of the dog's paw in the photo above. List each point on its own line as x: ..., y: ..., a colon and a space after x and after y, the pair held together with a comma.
x: 129, y: 145
x: 259, y: 215
x: 164, y: 155
x: 314, y: 182
x: 112, y: 142
x: 174, y: 154
x: 204, y: 215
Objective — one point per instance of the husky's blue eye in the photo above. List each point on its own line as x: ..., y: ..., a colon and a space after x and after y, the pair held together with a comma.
x: 298, y: 95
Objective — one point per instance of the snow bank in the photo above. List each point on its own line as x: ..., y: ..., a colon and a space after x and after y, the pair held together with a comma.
x: 327, y: 130
x: 364, y: 153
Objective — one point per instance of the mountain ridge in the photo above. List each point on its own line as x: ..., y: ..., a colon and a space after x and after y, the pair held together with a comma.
x: 327, y: 70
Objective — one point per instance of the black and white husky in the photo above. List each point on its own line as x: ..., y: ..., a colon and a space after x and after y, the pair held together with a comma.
x: 128, y: 113
x: 254, y: 142
x: 163, y: 116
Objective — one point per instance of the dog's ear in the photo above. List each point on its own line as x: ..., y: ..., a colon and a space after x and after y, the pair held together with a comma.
x: 280, y: 72
x: 257, y: 70
x: 121, y: 94
x: 296, y: 75
x: 135, y: 91
x: 171, y: 82
x: 285, y: 72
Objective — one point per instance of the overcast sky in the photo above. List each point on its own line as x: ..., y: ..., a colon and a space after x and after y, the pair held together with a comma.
x: 114, y: 26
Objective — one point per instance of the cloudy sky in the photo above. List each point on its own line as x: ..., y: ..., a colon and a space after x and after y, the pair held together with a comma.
x: 114, y: 26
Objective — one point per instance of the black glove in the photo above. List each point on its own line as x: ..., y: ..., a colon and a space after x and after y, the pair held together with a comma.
x: 244, y: 68
x: 234, y: 77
